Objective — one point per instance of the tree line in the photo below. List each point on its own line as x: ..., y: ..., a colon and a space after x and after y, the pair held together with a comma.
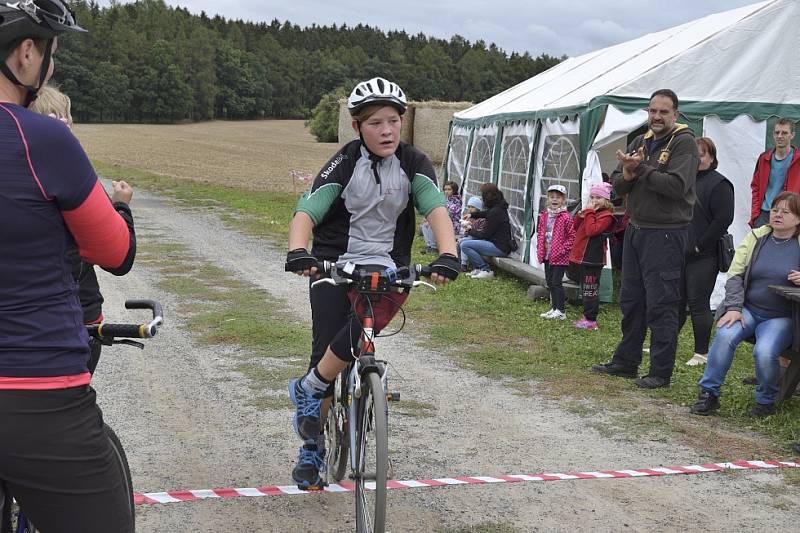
x: 148, y: 62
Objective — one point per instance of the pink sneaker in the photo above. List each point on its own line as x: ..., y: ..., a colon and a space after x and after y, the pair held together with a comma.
x: 590, y: 325
x: 580, y: 323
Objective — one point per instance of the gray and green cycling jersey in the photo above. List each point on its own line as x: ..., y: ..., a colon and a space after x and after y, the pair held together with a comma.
x: 365, y: 219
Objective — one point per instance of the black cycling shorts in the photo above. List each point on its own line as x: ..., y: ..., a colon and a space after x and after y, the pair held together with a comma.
x: 57, y: 461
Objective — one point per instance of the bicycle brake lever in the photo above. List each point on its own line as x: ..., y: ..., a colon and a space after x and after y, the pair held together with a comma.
x: 130, y: 343
x: 327, y: 280
x: 418, y: 283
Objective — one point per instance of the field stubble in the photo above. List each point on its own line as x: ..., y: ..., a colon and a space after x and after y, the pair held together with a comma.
x: 256, y: 155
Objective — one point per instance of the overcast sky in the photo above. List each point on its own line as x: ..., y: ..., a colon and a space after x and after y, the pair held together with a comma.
x: 570, y: 27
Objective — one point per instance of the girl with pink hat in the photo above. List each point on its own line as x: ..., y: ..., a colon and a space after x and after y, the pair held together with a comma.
x: 588, y: 254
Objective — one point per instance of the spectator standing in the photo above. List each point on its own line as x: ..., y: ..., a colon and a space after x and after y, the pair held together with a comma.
x: 555, y: 235
x: 768, y: 255
x: 658, y: 175
x: 589, y: 250
x: 713, y: 214
x: 777, y: 169
x: 494, y: 238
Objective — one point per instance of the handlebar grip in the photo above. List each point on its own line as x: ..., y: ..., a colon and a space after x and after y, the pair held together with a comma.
x: 145, y: 304
x: 424, y: 271
x: 131, y: 331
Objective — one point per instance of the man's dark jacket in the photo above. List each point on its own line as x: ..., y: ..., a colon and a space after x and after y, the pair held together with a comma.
x: 662, y: 194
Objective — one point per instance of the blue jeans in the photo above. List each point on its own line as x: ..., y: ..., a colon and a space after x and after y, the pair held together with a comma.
x: 473, y: 249
x: 427, y: 234
x: 773, y: 335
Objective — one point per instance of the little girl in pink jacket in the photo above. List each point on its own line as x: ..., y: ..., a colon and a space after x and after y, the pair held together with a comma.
x: 555, y: 234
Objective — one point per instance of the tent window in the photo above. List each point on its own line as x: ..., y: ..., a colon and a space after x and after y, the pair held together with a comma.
x: 480, y: 166
x: 458, y: 156
x: 560, y: 167
x: 513, y: 177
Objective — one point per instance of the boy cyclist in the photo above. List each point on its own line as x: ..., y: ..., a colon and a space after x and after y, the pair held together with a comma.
x: 360, y: 209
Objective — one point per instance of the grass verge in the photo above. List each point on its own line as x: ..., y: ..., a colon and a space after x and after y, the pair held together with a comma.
x: 497, y: 332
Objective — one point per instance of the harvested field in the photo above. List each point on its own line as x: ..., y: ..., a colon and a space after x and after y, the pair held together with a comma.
x: 258, y: 155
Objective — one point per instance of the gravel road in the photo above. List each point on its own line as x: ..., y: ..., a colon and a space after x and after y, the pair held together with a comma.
x: 183, y: 413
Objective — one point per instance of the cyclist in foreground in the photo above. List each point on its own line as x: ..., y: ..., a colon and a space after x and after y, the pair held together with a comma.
x: 52, y: 102
x: 360, y: 210
x: 55, y: 457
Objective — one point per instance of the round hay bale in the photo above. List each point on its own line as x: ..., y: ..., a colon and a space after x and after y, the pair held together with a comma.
x: 346, y: 133
x: 407, y: 133
x: 432, y: 125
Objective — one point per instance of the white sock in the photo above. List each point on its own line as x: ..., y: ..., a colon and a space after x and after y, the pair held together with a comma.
x: 313, y: 383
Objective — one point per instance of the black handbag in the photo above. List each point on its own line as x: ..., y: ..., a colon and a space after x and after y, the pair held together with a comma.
x: 725, y: 252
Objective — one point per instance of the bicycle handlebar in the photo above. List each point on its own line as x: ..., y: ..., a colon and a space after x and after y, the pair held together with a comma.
x: 371, y: 281
x: 106, y: 333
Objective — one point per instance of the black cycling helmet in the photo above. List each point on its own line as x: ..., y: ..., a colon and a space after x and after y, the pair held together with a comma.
x: 376, y: 91
x: 33, y: 19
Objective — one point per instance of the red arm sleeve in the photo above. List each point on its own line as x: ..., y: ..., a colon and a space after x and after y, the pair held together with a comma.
x: 756, y: 198
x: 101, y: 233
x: 597, y: 224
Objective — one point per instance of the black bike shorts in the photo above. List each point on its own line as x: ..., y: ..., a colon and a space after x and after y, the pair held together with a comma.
x: 57, y: 461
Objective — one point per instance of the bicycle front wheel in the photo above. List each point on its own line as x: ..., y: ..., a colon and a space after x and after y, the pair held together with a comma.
x: 124, y: 469
x: 372, y: 456
x: 337, y: 439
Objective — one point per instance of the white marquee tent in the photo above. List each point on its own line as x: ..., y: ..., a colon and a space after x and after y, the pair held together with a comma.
x: 734, y: 73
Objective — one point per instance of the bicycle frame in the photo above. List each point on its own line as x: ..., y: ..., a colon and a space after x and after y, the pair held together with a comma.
x: 365, y: 364
x: 363, y: 389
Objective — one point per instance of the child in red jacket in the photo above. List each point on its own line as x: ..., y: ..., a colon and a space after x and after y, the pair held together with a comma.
x: 554, y: 237
x: 589, y: 251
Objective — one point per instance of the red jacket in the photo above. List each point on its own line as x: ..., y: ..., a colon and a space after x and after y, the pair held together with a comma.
x: 761, y: 179
x: 590, y: 243
x: 560, y: 241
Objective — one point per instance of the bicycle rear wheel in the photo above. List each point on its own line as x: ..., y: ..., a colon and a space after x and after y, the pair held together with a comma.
x: 122, y: 462
x: 372, y: 456
x: 337, y: 438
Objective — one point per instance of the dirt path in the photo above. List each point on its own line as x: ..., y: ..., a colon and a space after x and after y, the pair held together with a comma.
x: 183, y: 414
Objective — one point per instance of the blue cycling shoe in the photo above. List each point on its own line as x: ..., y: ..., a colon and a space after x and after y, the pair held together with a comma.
x: 310, y: 463
x: 306, y: 420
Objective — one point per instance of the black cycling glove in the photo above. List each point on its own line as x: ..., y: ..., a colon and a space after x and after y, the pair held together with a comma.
x: 446, y: 265
x: 299, y: 260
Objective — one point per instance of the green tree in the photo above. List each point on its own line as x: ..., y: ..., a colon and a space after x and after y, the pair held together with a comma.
x: 108, y: 90
x: 324, y: 123
x: 148, y: 61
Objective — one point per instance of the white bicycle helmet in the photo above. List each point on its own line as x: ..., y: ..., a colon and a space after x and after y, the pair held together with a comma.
x: 376, y: 91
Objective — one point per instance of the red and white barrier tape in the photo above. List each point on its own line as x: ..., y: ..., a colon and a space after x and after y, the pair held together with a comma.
x: 193, y: 495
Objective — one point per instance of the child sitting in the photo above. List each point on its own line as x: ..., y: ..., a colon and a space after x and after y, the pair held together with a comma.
x: 474, y: 205
x: 589, y: 251
x: 453, y: 200
x: 555, y: 235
